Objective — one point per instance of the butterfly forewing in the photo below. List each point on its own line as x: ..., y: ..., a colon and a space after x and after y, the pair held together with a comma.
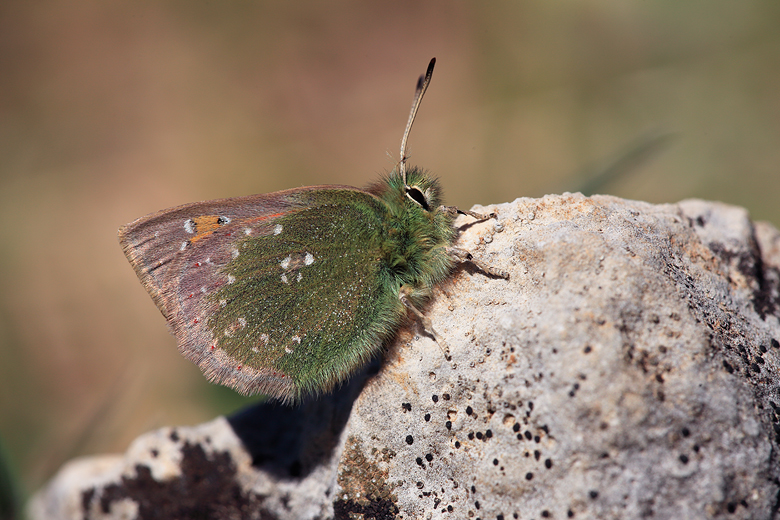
x: 286, y: 299
x: 153, y: 243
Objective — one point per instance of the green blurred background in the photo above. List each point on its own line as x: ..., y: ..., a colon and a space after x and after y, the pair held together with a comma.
x: 110, y: 110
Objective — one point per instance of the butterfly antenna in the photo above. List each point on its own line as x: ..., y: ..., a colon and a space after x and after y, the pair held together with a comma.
x: 422, y: 86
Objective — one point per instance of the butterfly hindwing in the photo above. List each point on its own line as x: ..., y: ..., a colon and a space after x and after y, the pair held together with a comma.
x: 286, y: 294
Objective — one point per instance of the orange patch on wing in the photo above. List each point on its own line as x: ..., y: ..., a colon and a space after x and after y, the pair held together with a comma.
x: 204, y: 226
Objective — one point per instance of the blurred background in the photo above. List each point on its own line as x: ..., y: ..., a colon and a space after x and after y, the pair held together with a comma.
x: 110, y: 110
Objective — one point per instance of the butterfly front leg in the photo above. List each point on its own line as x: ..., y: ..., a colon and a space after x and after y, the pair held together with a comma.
x: 462, y: 255
x: 455, y: 211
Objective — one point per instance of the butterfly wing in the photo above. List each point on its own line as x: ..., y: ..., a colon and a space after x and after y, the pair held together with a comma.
x: 284, y: 293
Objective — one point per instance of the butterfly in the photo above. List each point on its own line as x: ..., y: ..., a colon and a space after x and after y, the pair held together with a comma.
x: 289, y: 293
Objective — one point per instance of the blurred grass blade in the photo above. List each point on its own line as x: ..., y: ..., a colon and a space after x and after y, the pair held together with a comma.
x: 9, y: 490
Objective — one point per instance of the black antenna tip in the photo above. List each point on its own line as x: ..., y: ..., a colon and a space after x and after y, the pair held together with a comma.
x: 427, y: 76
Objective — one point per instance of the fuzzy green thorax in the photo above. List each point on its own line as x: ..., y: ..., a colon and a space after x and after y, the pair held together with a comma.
x: 418, y: 232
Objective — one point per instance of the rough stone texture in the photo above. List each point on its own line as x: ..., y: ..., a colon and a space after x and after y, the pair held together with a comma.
x: 628, y: 369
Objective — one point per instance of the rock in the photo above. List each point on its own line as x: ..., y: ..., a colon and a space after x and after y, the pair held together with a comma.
x: 628, y: 368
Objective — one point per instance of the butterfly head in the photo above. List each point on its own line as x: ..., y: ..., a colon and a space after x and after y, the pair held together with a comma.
x: 419, y: 193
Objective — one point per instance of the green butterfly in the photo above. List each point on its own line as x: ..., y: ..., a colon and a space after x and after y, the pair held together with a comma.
x: 289, y: 293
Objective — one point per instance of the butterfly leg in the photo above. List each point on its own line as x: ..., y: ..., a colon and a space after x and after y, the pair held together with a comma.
x: 461, y: 255
x: 426, y: 322
x: 452, y: 210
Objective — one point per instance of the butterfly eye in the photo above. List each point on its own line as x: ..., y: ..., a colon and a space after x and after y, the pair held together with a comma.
x: 416, y: 195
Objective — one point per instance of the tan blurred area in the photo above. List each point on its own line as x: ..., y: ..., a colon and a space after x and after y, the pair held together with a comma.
x: 110, y: 110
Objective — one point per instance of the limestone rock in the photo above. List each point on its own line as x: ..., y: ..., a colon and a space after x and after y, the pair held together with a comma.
x: 627, y: 369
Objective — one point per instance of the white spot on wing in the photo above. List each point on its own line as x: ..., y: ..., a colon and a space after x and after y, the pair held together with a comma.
x: 231, y: 278
x: 189, y: 226
x: 234, y: 253
x: 284, y: 278
x: 286, y: 263
x: 247, y: 231
x: 296, y: 339
x: 308, y: 259
x: 237, y: 325
x: 183, y: 246
x: 277, y: 229
x: 299, y: 277
x: 288, y: 350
